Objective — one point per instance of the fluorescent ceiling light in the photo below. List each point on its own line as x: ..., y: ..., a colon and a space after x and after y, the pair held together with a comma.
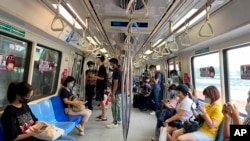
x: 148, y: 52
x: 183, y: 19
x: 67, y: 16
x: 91, y: 40
x: 78, y: 17
x: 156, y: 42
x: 194, y: 20
x: 97, y: 40
x: 103, y: 50
x: 163, y: 43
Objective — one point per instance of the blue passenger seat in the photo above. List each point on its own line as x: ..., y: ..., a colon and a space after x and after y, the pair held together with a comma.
x: 219, y: 136
x: 48, y: 115
x: 59, y: 111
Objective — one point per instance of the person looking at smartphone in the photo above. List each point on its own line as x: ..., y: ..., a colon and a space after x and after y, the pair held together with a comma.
x: 18, y: 117
x: 231, y: 113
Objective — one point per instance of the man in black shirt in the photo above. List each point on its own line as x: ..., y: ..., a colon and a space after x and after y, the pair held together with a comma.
x: 101, y: 85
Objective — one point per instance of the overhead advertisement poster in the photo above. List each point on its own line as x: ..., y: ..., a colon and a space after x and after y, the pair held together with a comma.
x: 207, y: 72
x: 245, y: 71
x: 7, y: 62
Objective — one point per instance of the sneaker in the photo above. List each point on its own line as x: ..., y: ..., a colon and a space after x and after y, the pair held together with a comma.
x: 119, y: 122
x: 154, y: 139
x: 81, y: 133
x: 79, y: 127
x: 152, y: 113
x: 112, y: 125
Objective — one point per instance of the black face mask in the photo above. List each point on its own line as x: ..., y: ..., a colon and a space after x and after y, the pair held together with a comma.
x: 25, y: 101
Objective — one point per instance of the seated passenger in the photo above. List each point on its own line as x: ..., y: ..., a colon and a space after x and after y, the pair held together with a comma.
x: 211, y: 113
x: 17, y: 117
x: 183, y: 111
x: 145, y: 94
x: 65, y: 93
x: 230, y: 112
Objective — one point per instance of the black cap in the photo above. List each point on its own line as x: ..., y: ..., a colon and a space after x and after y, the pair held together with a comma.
x: 101, y: 56
x: 183, y: 88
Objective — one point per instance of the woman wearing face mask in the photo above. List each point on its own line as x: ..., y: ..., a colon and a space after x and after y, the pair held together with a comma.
x: 65, y: 93
x: 231, y: 113
x: 17, y: 117
x: 211, y: 113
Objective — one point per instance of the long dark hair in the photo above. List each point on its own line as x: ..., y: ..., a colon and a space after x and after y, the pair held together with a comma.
x: 67, y: 80
x: 18, y: 88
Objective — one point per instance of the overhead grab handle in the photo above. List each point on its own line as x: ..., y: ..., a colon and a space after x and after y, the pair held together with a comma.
x: 173, y: 46
x: 132, y: 29
x: 185, y: 40
x: 165, y: 50
x: 57, y: 18
x: 207, y: 24
x: 133, y: 15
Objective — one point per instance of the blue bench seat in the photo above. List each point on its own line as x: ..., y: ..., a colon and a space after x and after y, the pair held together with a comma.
x: 59, y: 111
x: 44, y: 112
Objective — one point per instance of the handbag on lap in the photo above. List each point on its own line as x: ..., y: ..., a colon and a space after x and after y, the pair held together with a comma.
x: 76, y: 108
x: 50, y: 132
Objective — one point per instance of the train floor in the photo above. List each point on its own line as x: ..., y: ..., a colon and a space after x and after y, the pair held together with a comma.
x: 142, y: 126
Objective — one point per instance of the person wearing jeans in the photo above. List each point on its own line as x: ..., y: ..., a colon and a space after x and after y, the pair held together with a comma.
x: 116, y: 93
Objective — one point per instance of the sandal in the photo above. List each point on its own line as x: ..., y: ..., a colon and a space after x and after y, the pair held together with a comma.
x: 99, y: 117
x: 102, y: 119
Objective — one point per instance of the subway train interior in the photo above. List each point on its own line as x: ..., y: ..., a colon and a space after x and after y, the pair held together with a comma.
x: 199, y: 42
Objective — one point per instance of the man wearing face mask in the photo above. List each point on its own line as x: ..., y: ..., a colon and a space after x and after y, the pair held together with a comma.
x: 157, y: 93
x: 101, y: 85
x: 90, y: 84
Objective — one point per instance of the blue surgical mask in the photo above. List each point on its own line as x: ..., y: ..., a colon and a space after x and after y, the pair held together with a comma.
x: 71, y: 85
x: 207, y: 100
x: 172, y: 94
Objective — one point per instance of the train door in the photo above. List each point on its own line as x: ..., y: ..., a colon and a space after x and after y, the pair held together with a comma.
x: 77, y: 73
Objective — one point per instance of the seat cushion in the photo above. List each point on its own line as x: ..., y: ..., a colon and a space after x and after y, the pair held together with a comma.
x: 67, y: 126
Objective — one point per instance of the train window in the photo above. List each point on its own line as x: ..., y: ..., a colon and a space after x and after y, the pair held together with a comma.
x: 206, y: 72
x: 76, y: 72
x: 14, y: 62
x: 158, y: 67
x: 238, y: 75
x: 46, y: 71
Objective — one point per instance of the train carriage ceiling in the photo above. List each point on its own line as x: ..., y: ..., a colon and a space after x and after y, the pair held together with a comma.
x: 158, y: 28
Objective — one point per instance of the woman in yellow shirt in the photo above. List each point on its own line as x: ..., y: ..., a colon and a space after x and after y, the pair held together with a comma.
x: 212, y: 115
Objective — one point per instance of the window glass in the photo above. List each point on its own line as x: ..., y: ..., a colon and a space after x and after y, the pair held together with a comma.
x: 46, y: 71
x: 239, y: 82
x: 158, y: 67
x: 76, y: 72
x: 13, y: 64
x: 206, y: 72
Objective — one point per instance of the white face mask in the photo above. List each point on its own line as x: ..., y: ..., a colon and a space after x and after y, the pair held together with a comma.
x: 207, y: 100
x: 247, y: 108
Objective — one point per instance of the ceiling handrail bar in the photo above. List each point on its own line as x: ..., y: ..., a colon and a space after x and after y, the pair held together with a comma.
x: 136, y: 16
x: 185, y: 37
x: 207, y: 24
x: 57, y: 17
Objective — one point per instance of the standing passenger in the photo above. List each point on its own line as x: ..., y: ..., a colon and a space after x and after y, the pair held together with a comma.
x: 116, y: 93
x: 157, y: 87
x: 90, y: 84
x: 101, y: 85
x: 65, y: 93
